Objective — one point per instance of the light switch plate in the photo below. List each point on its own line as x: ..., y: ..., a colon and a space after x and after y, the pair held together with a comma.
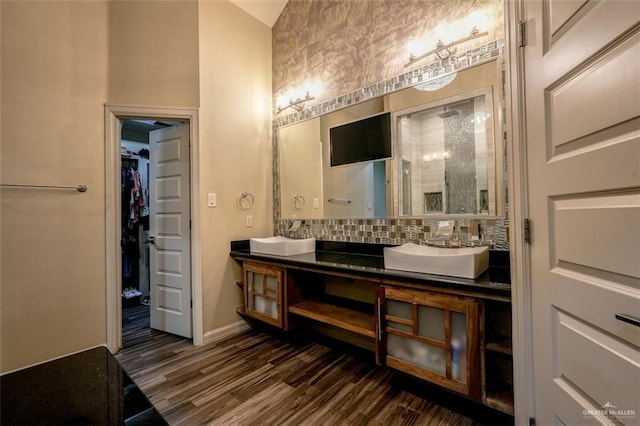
x: 211, y: 199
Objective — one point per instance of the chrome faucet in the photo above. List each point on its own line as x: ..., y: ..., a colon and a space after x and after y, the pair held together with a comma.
x: 444, y: 234
x: 295, y: 228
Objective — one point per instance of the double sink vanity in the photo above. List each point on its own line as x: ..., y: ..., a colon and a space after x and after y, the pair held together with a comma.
x: 439, y: 314
x: 442, y: 315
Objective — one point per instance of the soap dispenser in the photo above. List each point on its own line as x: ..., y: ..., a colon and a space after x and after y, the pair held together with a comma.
x: 455, y: 237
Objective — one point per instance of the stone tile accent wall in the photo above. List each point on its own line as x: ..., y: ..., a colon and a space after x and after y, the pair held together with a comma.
x: 348, y: 45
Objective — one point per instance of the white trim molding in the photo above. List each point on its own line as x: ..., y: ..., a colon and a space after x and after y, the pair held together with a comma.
x: 113, y: 116
x: 523, y: 385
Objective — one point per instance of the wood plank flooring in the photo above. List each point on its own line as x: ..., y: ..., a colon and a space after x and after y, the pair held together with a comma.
x: 258, y: 379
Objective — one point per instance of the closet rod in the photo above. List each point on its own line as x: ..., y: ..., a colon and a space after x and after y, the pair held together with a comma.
x: 79, y: 188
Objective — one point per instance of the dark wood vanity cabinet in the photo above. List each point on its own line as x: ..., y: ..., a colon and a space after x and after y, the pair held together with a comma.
x: 458, y: 340
x: 262, y: 292
x: 433, y: 336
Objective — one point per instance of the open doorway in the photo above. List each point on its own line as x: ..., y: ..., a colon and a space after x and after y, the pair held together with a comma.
x: 136, y: 239
x: 153, y: 262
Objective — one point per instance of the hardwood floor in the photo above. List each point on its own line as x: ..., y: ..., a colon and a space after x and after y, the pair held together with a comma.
x: 258, y: 379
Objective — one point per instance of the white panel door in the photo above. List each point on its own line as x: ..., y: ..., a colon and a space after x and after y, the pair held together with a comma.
x: 169, y: 222
x: 582, y: 67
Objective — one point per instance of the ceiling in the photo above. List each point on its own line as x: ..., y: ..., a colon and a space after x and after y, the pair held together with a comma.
x: 266, y: 11
x: 147, y: 125
x: 138, y: 130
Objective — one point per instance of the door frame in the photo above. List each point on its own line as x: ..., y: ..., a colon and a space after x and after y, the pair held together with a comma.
x: 519, y: 250
x: 114, y: 114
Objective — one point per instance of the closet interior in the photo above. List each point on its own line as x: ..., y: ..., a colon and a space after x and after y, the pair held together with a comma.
x: 135, y: 223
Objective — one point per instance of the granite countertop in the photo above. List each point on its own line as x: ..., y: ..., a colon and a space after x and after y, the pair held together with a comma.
x: 87, y: 388
x: 367, y: 259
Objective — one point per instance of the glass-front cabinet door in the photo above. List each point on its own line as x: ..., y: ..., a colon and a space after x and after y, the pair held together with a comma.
x: 432, y: 336
x: 263, y: 292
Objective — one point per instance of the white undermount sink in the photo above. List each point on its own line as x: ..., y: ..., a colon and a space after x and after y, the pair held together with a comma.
x: 464, y: 262
x: 282, y: 246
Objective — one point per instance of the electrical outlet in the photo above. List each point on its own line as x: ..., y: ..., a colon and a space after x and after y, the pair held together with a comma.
x: 211, y: 199
x: 249, y: 221
x: 316, y: 203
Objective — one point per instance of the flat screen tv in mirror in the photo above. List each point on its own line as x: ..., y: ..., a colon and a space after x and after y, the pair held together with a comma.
x: 363, y: 140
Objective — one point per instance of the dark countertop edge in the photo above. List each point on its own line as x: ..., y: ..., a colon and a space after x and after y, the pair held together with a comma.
x: 482, y: 284
x: 88, y: 387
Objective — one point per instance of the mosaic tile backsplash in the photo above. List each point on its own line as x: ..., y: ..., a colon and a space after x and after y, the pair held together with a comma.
x: 396, y: 231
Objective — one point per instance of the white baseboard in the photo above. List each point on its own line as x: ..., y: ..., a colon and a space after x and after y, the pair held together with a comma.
x: 224, y: 332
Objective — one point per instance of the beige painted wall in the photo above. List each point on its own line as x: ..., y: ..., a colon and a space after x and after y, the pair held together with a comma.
x: 54, y: 85
x: 153, y: 53
x: 235, y: 146
x: 61, y: 62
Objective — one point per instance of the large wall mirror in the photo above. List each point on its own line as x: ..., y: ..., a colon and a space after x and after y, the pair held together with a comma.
x: 447, y: 155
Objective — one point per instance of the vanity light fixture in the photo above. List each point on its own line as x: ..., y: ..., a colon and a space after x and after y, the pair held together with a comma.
x: 444, y: 50
x: 297, y: 104
x: 296, y: 97
x: 475, y: 20
x: 436, y: 156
